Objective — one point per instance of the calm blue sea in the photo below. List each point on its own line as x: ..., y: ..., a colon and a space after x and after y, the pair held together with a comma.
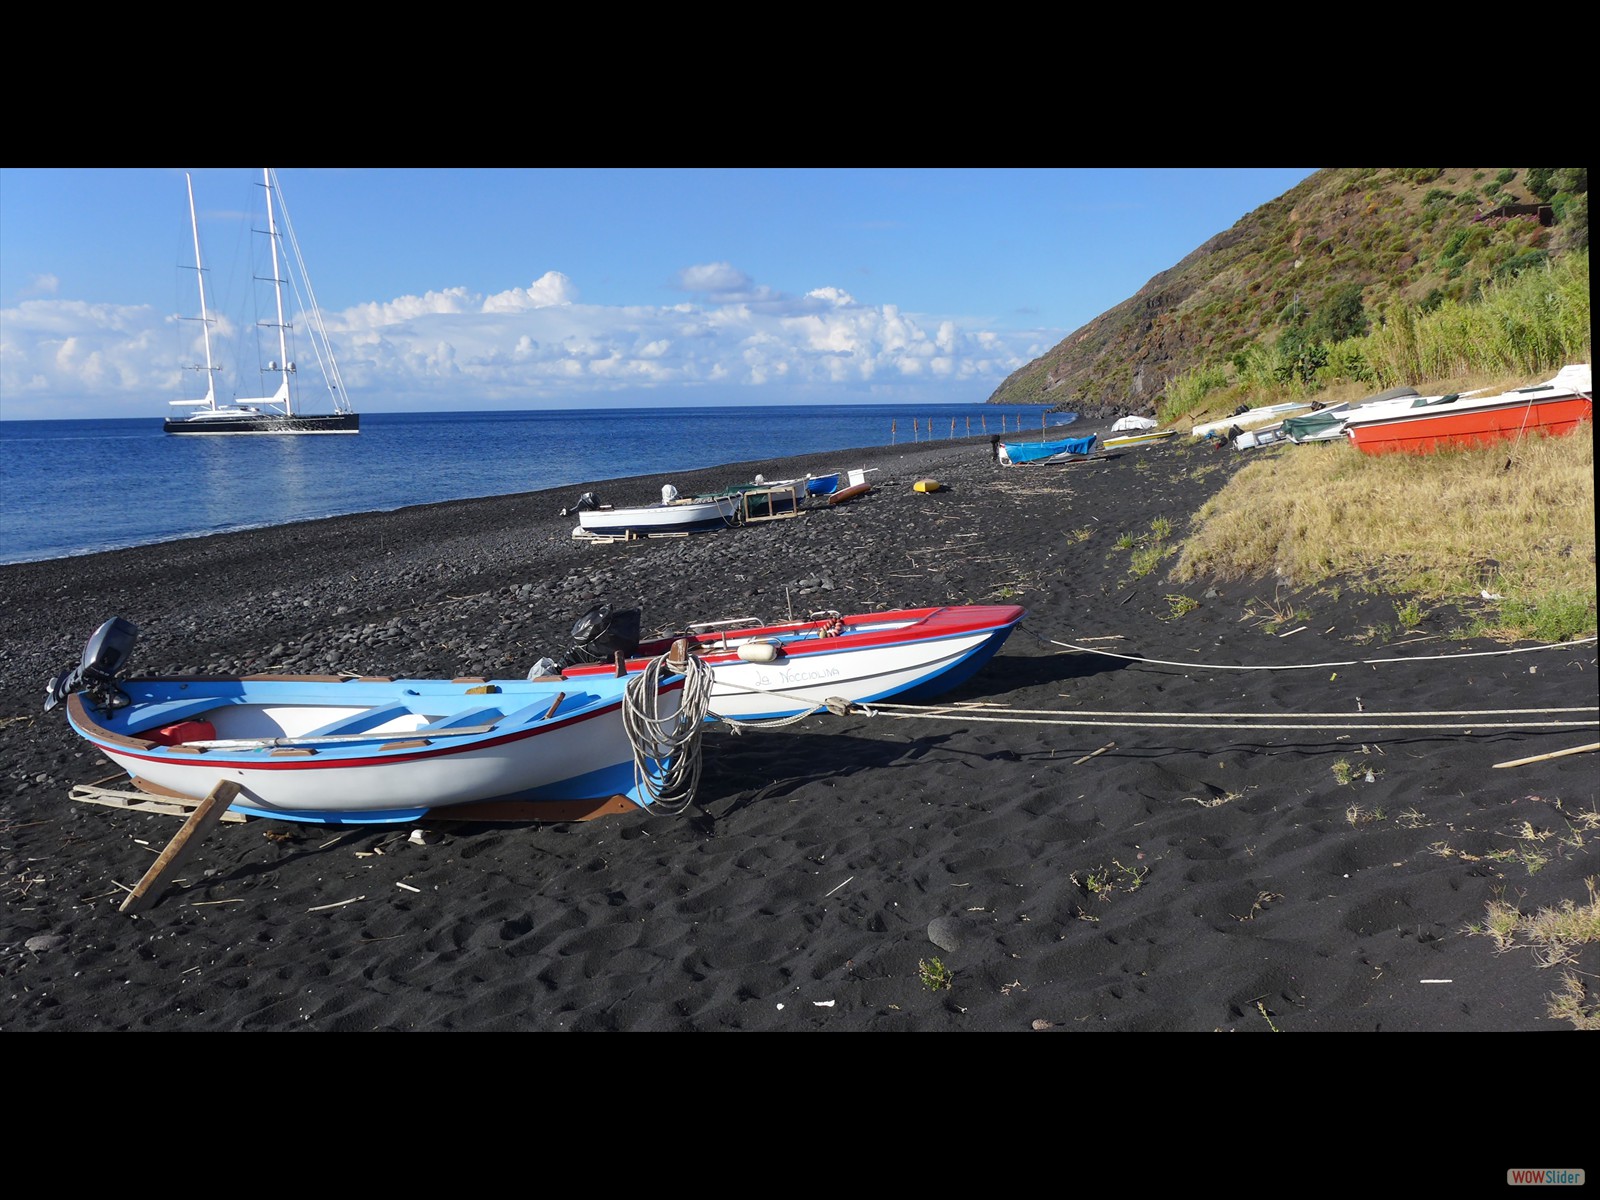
x: 76, y: 487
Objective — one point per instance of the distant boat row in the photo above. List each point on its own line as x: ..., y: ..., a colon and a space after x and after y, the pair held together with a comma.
x: 282, y: 411
x: 1401, y: 420
x: 740, y: 504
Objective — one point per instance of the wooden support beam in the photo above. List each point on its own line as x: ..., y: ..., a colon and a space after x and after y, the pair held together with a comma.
x: 1522, y: 762
x: 205, y: 816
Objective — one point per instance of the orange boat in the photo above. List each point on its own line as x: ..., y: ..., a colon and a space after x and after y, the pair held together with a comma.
x: 1422, y: 424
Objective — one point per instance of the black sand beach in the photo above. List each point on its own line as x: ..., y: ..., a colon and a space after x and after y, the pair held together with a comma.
x: 1106, y: 844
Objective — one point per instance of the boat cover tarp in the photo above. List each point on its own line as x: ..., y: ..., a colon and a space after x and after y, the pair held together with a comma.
x: 1021, y: 452
x: 1129, y: 423
x: 1302, y: 428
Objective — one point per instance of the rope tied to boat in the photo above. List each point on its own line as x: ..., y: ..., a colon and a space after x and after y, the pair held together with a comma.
x: 666, y: 746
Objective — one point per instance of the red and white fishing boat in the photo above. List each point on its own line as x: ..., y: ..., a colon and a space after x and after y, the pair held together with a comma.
x: 1422, y: 424
x: 760, y: 672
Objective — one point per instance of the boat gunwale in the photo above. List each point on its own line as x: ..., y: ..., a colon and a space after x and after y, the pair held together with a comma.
x: 356, y: 752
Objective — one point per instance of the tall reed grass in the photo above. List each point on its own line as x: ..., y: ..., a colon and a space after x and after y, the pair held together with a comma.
x: 1520, y: 328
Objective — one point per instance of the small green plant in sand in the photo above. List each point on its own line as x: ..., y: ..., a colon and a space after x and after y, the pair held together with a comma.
x: 1446, y: 850
x: 1532, y: 853
x: 1078, y: 536
x: 1344, y: 772
x: 1547, y: 618
x: 1410, y: 614
x: 1358, y: 816
x: 1554, y: 936
x: 935, y: 975
x: 1125, y: 541
x: 1162, y: 528
x: 1177, y: 606
x: 1146, y: 559
x: 1574, y: 1003
x: 1104, y: 882
x: 1280, y: 612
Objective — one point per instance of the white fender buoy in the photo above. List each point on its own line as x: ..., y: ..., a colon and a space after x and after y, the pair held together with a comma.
x: 760, y: 652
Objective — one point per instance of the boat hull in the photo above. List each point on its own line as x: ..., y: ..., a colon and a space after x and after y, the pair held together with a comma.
x: 1129, y: 440
x: 1265, y: 415
x: 681, y: 516
x: 1479, y: 426
x: 262, y: 424
x: 331, y: 751
x: 905, y: 654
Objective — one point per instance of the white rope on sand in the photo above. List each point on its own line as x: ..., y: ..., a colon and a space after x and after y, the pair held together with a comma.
x: 1351, y: 725
x: 1354, y: 662
x: 1359, y: 713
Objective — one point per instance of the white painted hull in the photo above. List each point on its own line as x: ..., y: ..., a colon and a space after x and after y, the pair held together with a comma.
x: 752, y: 691
x: 682, y: 516
x: 1254, y: 417
x: 544, y: 742
x: 907, y: 653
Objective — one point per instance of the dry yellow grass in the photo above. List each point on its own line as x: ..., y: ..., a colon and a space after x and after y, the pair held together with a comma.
x: 1516, y: 521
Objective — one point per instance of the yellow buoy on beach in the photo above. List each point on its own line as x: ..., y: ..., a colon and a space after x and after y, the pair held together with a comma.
x: 925, y: 485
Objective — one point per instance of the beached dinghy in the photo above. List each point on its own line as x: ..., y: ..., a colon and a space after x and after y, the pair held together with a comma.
x: 1425, y: 424
x: 760, y: 672
x: 333, y: 750
x: 1013, y: 453
x: 674, y: 515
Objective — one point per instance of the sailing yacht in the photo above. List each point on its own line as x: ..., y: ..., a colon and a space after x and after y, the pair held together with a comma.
x: 278, y: 413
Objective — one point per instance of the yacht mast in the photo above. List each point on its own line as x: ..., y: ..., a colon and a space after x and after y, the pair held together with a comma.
x: 283, y: 364
x: 205, y: 317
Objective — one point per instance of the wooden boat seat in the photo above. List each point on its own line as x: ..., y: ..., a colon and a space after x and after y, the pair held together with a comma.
x: 472, y: 716
x: 541, y: 710
x: 365, y: 720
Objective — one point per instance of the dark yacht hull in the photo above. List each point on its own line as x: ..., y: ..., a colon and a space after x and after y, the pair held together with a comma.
x: 264, y: 424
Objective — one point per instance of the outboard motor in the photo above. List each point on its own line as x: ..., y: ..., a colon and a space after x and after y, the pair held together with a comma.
x: 599, y: 634
x: 587, y: 502
x: 104, y: 658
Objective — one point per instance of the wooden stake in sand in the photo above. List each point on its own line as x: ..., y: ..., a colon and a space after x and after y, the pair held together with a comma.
x: 206, y: 814
x: 1093, y: 754
x: 1522, y: 762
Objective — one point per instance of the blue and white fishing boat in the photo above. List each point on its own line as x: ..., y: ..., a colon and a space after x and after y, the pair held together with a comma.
x: 333, y: 750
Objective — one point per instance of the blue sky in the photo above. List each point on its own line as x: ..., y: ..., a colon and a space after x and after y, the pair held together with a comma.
x: 513, y: 288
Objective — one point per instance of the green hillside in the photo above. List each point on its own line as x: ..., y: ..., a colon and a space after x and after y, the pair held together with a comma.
x: 1339, y: 254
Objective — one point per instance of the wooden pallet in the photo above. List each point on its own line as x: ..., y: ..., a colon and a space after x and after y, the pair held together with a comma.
x: 130, y: 798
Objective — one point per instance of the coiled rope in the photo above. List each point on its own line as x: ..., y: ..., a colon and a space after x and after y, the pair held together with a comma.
x: 666, y: 748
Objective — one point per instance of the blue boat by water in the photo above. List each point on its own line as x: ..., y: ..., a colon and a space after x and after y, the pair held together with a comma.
x: 1012, y: 453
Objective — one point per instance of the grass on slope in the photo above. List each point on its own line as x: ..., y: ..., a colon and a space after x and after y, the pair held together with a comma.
x: 1514, y: 521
